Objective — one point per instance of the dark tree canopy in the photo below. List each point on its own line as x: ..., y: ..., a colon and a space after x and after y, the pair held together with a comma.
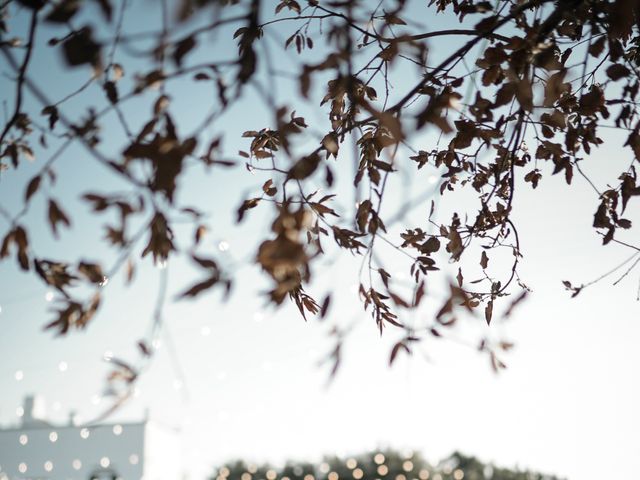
x: 384, y: 464
x: 342, y: 101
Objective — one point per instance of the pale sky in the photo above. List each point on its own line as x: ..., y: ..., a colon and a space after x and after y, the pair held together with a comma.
x: 244, y: 381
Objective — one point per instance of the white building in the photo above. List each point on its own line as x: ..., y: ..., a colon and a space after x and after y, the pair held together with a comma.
x: 125, y: 451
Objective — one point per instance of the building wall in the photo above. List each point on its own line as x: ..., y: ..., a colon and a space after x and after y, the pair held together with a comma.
x: 69, y: 452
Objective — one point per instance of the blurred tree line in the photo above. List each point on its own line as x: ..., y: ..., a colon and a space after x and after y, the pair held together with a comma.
x: 380, y: 465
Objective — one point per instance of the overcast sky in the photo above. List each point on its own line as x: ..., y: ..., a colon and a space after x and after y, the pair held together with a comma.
x: 242, y: 380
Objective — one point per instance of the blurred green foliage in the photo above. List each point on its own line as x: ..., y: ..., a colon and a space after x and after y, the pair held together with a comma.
x: 377, y: 465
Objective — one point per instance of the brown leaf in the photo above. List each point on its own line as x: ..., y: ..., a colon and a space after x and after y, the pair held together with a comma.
x: 80, y: 48
x: 200, y: 287
x: 246, y: 205
x: 106, y: 8
x: 524, y: 94
x: 63, y: 11
x: 130, y: 271
x: 269, y: 189
x: 92, y: 271
x: 183, y: 47
x: 488, y: 312
x: 32, y: 188
x: 304, y: 167
x: 617, y: 71
x: 325, y: 306
x: 396, y: 348
x: 516, y: 302
x: 484, y: 260
x: 56, y: 216
x: 111, y: 91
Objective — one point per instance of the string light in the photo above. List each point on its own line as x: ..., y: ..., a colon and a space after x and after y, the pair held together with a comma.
x: 352, y: 463
x: 53, y: 437
x: 77, y: 464
x: 24, y: 439
x: 48, y: 466
x: 423, y: 474
x: 117, y: 429
x: 458, y: 474
x: 22, y: 468
x: 133, y: 459
x: 271, y: 475
x: 379, y: 458
x: 105, y: 462
x: 487, y: 471
x: 333, y: 476
x: 383, y: 470
x: 407, y: 466
x: 358, y: 473
x: 223, y: 246
x: 84, y: 433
